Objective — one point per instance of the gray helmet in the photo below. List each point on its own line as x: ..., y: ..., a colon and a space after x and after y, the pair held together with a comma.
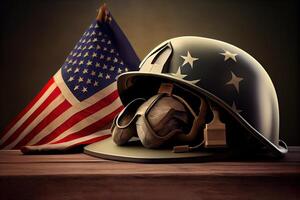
x: 226, y: 76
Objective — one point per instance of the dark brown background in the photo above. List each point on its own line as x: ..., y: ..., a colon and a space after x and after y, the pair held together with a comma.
x: 36, y: 36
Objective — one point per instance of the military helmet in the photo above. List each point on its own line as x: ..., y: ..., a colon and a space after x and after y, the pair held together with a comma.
x: 226, y: 76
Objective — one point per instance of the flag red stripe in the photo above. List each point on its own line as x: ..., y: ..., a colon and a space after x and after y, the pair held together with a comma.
x: 27, y: 108
x: 91, y: 128
x: 92, y: 140
x: 78, y: 117
x: 49, y: 118
x: 36, y: 113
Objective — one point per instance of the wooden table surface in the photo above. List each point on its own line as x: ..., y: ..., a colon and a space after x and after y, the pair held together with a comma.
x: 79, y: 176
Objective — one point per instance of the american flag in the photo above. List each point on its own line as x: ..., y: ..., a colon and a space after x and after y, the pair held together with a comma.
x: 79, y: 102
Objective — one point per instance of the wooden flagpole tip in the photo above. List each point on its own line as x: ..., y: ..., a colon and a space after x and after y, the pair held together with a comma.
x: 102, y: 12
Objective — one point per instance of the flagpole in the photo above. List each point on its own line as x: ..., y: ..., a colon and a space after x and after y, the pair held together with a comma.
x: 102, y: 13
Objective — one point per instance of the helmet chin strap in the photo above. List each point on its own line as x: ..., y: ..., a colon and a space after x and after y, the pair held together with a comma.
x: 198, y: 122
x: 191, y: 136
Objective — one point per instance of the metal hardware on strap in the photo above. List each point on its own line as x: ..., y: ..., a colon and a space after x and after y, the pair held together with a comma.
x: 215, y: 132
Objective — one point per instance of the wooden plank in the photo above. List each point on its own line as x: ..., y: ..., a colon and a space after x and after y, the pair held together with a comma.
x: 14, y: 163
x: 15, y: 156
x: 113, y: 168
x: 153, y: 187
x: 18, y: 164
x: 79, y: 176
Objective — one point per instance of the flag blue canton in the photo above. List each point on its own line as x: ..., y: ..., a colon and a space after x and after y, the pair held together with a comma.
x: 93, y: 64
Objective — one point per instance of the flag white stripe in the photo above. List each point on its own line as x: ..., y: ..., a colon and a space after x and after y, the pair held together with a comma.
x: 90, y: 119
x: 85, y: 138
x: 56, y: 102
x: 28, y: 114
x: 66, y: 115
x: 54, y: 124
